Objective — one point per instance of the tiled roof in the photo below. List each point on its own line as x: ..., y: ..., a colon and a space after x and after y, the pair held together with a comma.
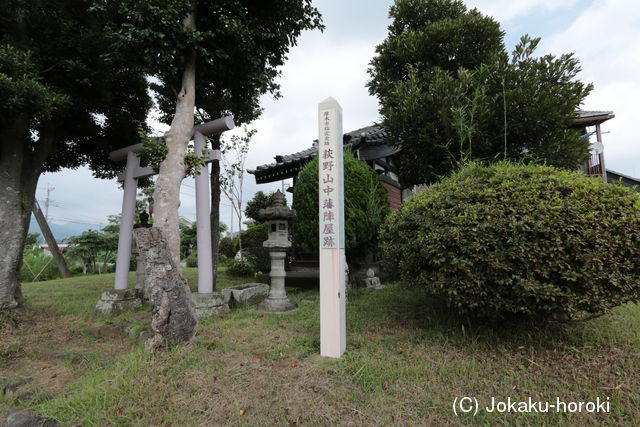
x: 591, y: 118
x: 285, y: 164
x: 583, y: 114
x: 288, y: 165
x: 374, y: 135
x: 288, y: 159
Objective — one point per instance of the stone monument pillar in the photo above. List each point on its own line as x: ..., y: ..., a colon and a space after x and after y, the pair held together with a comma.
x: 278, y: 242
x: 141, y: 281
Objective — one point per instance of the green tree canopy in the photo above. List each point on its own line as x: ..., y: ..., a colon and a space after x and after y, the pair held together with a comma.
x: 238, y: 47
x: 449, y: 91
x: 211, y: 56
x: 92, y: 248
x: 189, y: 236
x: 69, y: 97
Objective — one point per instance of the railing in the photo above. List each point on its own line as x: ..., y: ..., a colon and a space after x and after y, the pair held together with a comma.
x: 594, y: 165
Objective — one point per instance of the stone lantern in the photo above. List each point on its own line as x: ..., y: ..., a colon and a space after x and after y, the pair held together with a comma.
x: 278, y: 242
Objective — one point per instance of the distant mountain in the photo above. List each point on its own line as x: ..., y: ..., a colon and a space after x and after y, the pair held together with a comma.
x: 60, y: 231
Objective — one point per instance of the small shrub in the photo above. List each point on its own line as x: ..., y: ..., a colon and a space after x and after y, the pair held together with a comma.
x: 192, y: 259
x: 241, y: 268
x: 520, y: 240
x: 76, y: 269
x: 252, y: 240
x: 133, y: 263
x: 36, y: 266
x: 228, y: 247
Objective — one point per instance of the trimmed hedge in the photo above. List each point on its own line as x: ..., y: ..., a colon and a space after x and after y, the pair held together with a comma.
x: 366, y: 207
x: 252, y: 240
x: 520, y: 240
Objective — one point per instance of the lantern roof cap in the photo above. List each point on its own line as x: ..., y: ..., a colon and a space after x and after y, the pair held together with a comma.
x: 279, y: 210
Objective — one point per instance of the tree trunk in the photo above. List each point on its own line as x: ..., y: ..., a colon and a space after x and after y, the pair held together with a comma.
x: 14, y: 224
x: 174, y: 321
x: 172, y: 169
x: 215, y: 210
x: 18, y: 178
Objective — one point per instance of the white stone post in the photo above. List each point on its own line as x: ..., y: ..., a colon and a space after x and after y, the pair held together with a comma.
x: 332, y: 250
x: 203, y: 222
x: 126, y: 221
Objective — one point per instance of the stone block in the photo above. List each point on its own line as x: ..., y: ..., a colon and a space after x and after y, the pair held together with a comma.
x: 18, y: 417
x: 372, y: 282
x: 277, y: 305
x: 117, y: 301
x: 215, y: 304
x: 247, y: 294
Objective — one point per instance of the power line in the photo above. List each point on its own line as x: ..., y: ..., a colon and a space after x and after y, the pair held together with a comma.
x: 194, y: 196
x: 83, y: 217
x: 76, y: 221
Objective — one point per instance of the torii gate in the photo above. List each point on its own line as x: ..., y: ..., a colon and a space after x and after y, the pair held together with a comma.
x: 130, y: 177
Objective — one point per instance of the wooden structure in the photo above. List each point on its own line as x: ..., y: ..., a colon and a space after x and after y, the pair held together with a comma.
x: 586, y: 121
x: 370, y: 144
x: 373, y: 145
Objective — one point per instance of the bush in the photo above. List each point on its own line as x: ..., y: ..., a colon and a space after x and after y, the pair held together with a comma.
x: 192, y: 259
x: 366, y: 206
x: 241, y: 268
x: 37, y: 266
x: 520, y: 240
x: 252, y: 240
x: 228, y: 247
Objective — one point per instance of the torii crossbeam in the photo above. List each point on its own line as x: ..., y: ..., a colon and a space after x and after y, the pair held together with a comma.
x: 134, y: 171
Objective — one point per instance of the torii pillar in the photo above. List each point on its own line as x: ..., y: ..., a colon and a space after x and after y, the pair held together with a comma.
x: 123, y: 298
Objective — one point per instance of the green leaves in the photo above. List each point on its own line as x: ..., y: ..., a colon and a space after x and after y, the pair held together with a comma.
x: 519, y: 240
x: 23, y: 91
x: 449, y: 92
x: 239, y: 46
x: 366, y: 207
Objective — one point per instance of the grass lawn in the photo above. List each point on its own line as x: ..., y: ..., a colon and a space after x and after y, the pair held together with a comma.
x: 405, y: 363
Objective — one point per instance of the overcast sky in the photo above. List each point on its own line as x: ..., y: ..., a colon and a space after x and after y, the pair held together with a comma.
x: 604, y: 35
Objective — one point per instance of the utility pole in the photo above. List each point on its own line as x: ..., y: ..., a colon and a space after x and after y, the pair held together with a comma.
x: 51, y: 241
x: 46, y: 202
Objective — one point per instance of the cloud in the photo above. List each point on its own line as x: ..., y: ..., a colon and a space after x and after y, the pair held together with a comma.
x: 606, y: 39
x: 317, y: 68
x: 504, y: 10
x: 604, y: 34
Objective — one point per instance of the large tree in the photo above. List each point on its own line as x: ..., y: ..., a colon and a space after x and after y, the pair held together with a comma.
x: 448, y: 92
x: 68, y: 98
x: 210, y: 57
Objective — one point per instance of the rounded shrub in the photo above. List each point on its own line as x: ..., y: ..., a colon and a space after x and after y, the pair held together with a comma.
x: 252, y: 239
x: 228, y: 247
x: 365, y: 201
x: 192, y: 259
x: 520, y: 240
x: 241, y: 268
